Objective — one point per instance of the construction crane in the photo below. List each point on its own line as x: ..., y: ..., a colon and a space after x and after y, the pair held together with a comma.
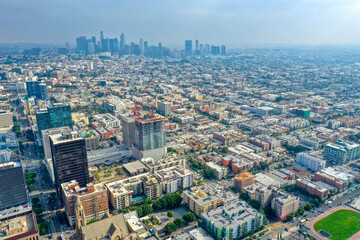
x: 138, y: 110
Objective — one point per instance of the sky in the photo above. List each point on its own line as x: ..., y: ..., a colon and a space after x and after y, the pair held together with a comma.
x: 235, y: 23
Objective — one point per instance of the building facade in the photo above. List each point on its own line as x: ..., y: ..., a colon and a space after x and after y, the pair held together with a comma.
x: 56, y: 115
x: 311, y: 162
x: 69, y: 159
x: 93, y: 198
x: 12, y: 185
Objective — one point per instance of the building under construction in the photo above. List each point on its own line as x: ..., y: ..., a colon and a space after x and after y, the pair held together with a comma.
x: 152, y: 132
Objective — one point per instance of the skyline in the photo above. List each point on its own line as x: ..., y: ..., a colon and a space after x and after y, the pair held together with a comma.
x: 232, y: 23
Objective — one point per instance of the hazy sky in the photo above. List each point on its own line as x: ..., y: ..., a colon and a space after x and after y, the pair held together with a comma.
x: 232, y: 22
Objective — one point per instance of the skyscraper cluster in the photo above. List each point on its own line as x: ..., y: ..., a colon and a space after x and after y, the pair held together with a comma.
x: 116, y: 47
x: 203, y: 49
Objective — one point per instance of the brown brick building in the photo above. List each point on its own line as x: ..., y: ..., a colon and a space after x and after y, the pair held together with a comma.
x: 93, y: 198
x: 243, y: 180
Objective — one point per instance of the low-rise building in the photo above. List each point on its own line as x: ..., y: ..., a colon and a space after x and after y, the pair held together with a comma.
x: 312, y: 188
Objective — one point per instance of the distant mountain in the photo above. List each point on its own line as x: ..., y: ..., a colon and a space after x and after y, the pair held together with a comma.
x: 19, y: 47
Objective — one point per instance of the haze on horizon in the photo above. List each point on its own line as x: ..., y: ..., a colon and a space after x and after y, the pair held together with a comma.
x: 234, y: 23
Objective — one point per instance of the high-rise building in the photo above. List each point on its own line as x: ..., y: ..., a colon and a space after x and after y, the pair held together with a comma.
x: 56, y: 115
x: 215, y: 50
x: 114, y: 45
x: 122, y: 41
x: 128, y: 129
x: 82, y: 45
x: 150, y: 137
x: 93, y: 200
x: 164, y: 108
x: 146, y: 46
x: 69, y: 159
x: 223, y: 50
x: 160, y: 50
x: 197, y: 47
x: 37, y: 89
x: 12, y: 185
x: 141, y: 43
x: 188, y: 47
x: 152, y: 132
x: 105, y: 45
x: 101, y: 35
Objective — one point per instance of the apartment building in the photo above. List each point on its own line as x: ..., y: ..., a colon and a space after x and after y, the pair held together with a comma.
x: 93, y: 198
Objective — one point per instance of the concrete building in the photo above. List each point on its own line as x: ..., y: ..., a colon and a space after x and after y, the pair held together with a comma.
x: 201, y: 199
x: 124, y: 193
x: 128, y: 130
x: 164, y: 108
x: 6, y: 120
x: 219, y: 171
x: 264, y: 195
x: 311, y: 162
x: 175, y: 178
x: 243, y: 180
x: 93, y: 198
x: 232, y: 221
x: 19, y: 224
x: 341, y: 152
x: 284, y: 204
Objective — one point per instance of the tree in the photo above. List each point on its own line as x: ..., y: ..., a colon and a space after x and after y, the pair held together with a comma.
x: 170, y: 214
x: 179, y: 222
x: 244, y: 229
x: 257, y: 223
x: 35, y: 200
x: 189, y: 217
x: 209, y: 174
x: 43, y: 228
x: 147, y: 221
x: 255, y: 204
x: 170, y: 227
x: 148, y: 201
x: 146, y: 209
x: 225, y: 149
x: 38, y: 211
